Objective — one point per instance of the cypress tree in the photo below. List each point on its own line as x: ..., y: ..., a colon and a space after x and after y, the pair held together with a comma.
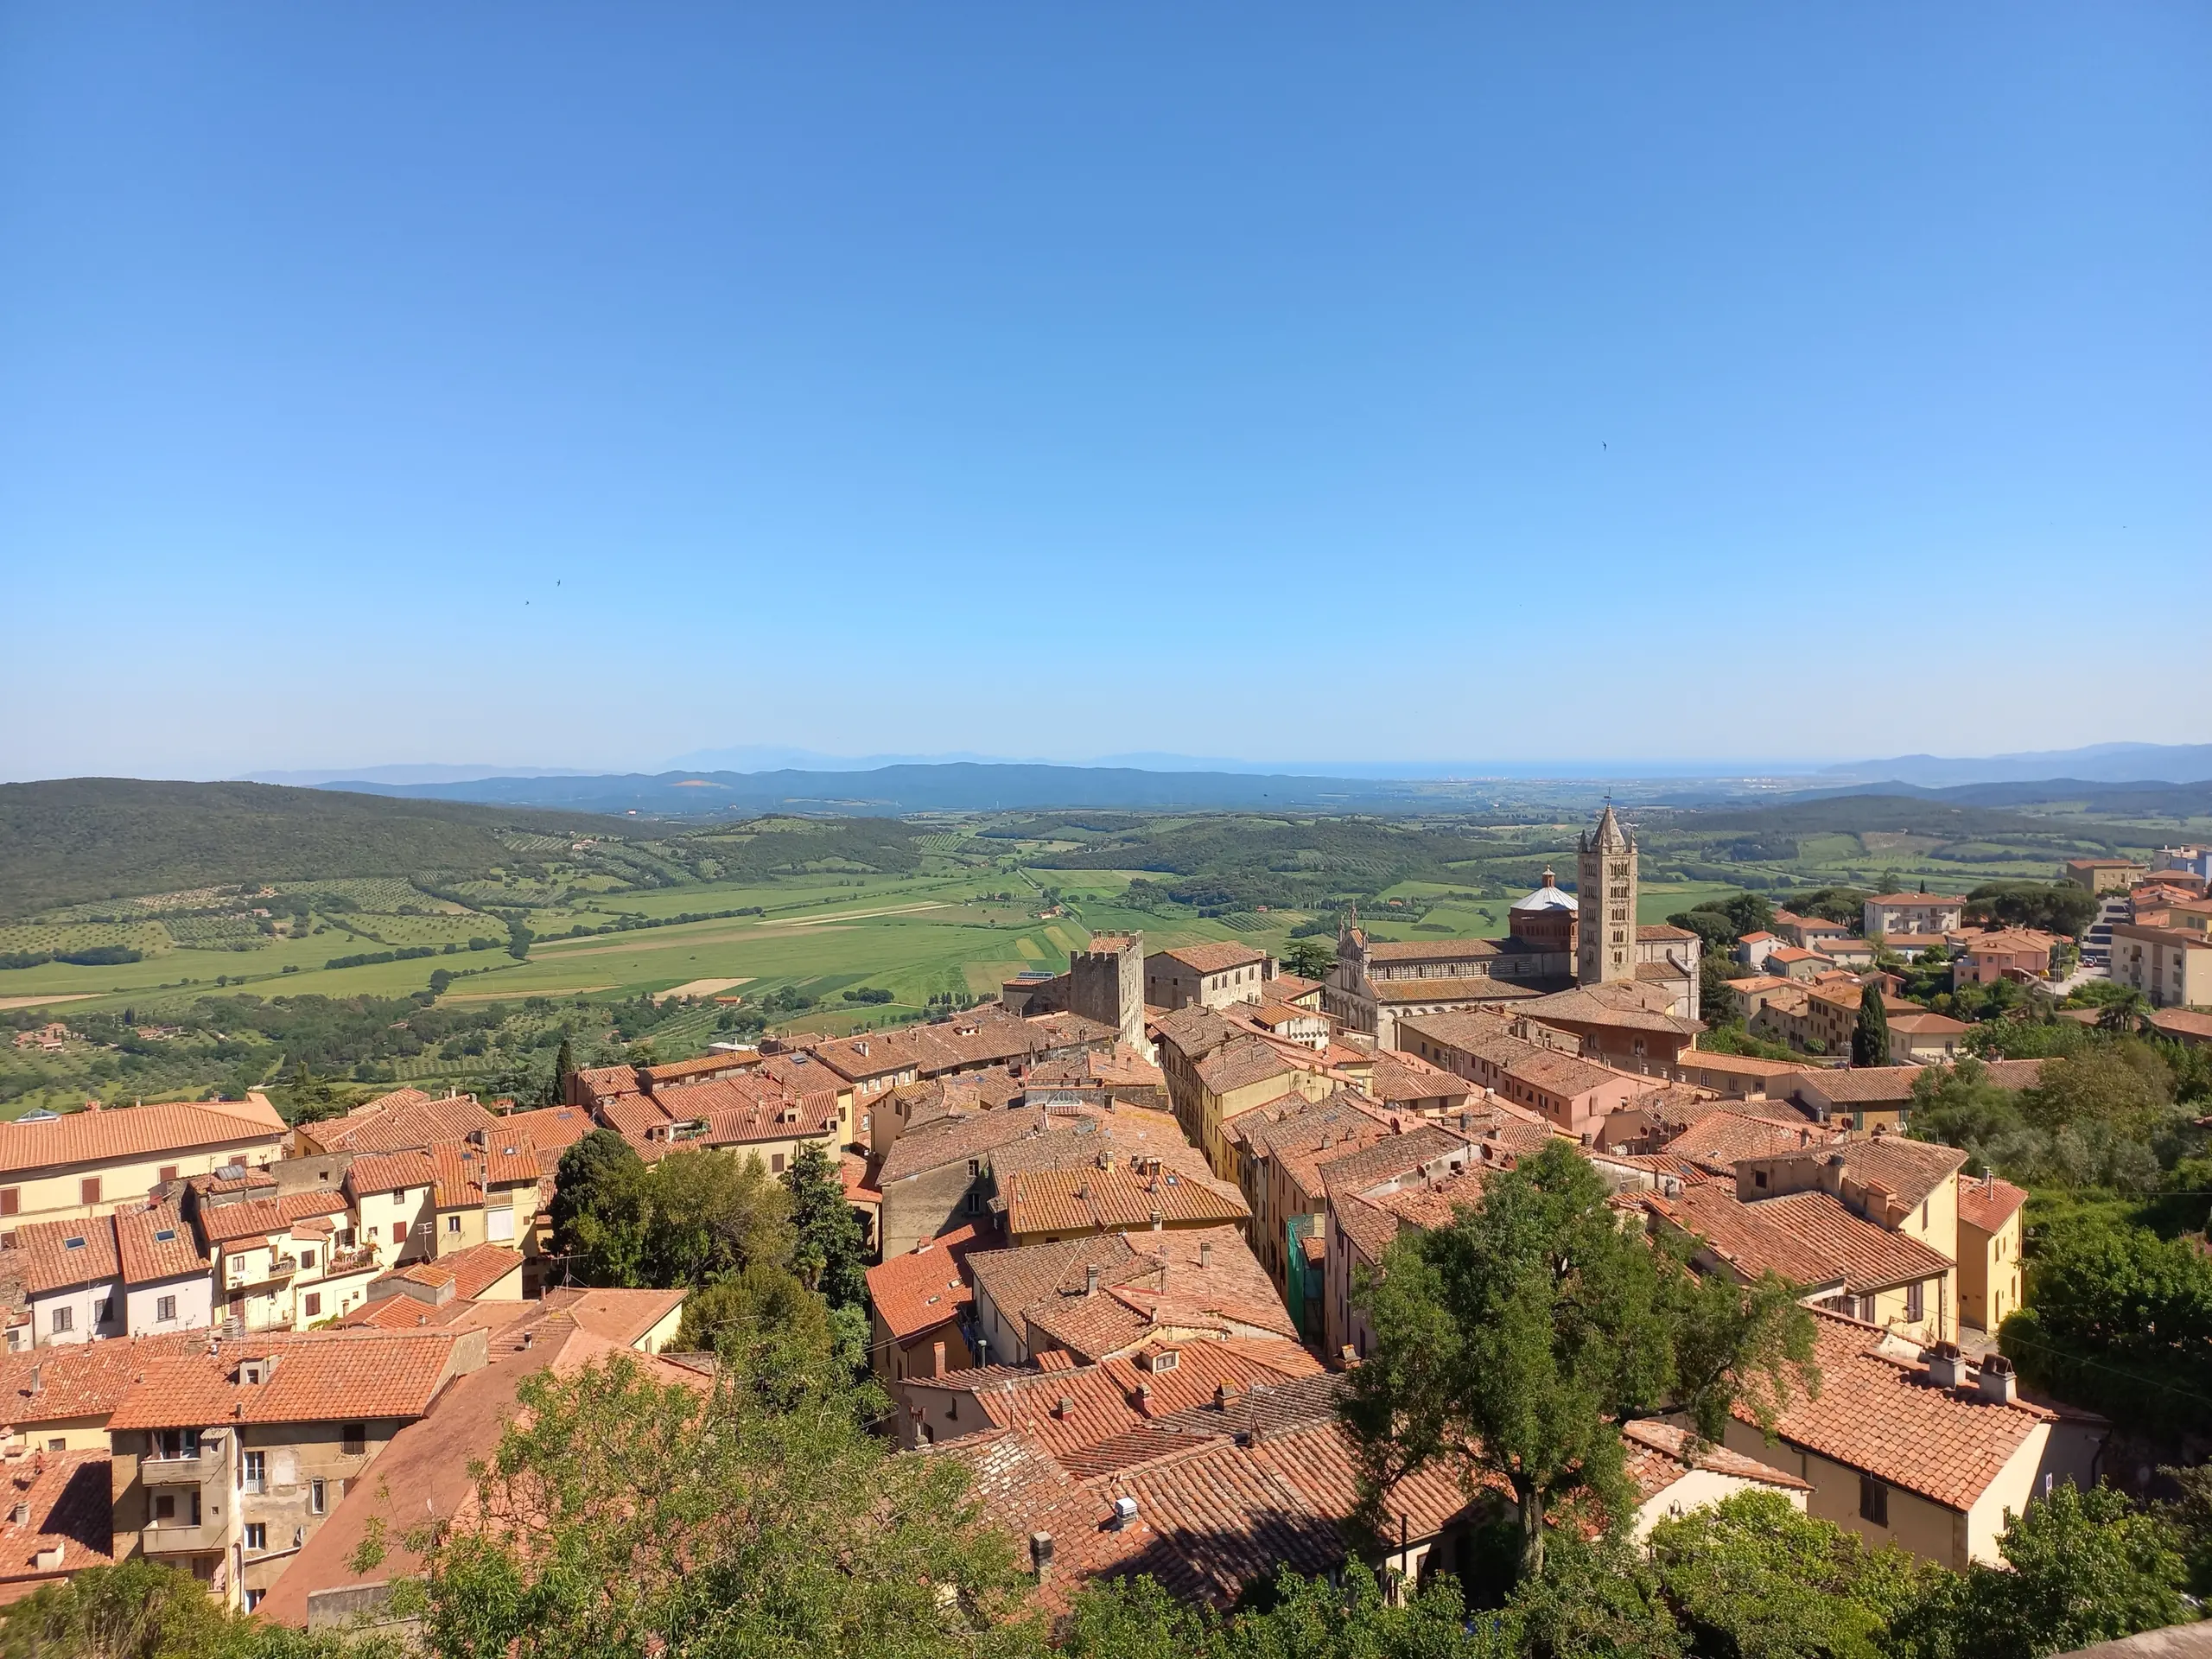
x: 1870, y: 1037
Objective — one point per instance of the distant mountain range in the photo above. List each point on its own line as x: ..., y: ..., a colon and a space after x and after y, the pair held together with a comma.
x: 743, y: 781
x: 953, y: 786
x: 2100, y: 763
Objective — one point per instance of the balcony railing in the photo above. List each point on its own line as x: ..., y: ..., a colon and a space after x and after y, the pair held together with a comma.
x: 183, y: 1540
x: 182, y: 1472
x: 350, y: 1261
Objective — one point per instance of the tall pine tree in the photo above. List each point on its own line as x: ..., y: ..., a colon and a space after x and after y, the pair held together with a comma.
x: 828, y: 1253
x: 1870, y: 1037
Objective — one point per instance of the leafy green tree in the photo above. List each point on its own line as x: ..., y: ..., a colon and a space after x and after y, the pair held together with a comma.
x: 2120, y: 1320
x: 2084, y: 1567
x: 1714, y: 927
x: 719, y: 1524
x: 711, y: 1215
x: 1530, y: 1325
x: 140, y: 1610
x: 1310, y: 958
x: 1754, y: 1578
x: 2123, y: 1083
x: 1847, y: 905
x: 1870, y: 1036
x: 1300, y: 1618
x: 828, y: 1251
x: 601, y: 1209
x: 1595, y: 1599
x: 2054, y: 906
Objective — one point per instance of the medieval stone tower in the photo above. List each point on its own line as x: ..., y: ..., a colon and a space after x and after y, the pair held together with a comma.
x: 1106, y: 983
x: 1604, y: 896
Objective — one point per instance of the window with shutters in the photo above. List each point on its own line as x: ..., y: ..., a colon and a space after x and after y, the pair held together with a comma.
x: 88, y: 1191
x: 353, y: 1439
x: 1873, y: 1501
x: 164, y: 1308
x: 64, y: 1318
x: 314, y: 1304
x: 11, y: 1200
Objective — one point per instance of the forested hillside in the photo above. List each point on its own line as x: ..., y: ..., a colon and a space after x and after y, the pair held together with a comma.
x: 81, y: 839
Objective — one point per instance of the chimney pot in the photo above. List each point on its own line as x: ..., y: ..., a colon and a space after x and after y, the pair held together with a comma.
x: 1946, y: 1366
x: 1090, y: 1281
x: 1998, y: 1382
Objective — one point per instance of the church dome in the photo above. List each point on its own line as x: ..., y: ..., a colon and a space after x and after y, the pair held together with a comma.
x: 1550, y: 896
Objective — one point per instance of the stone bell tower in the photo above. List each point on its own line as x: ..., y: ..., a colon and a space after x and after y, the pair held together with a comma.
x: 1604, y: 896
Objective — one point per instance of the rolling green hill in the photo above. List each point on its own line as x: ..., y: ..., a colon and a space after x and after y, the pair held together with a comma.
x: 81, y: 839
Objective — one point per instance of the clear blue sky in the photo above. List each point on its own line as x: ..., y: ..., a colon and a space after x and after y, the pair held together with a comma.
x: 585, y: 385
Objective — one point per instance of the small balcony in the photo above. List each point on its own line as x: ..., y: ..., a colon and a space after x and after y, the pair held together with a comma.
x: 354, y: 1261
x: 173, y: 1540
x: 182, y: 1472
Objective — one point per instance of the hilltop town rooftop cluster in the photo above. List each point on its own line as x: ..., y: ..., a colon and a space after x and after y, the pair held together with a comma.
x: 1121, y: 1218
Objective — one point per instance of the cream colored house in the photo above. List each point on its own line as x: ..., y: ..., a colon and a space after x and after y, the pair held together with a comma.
x: 1919, y: 1449
x: 91, y: 1163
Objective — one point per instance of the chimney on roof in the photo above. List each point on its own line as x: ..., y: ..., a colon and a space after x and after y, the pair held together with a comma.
x: 38, y: 1379
x: 1041, y: 1553
x: 1205, y: 1253
x: 1158, y: 1221
x: 1998, y: 1382
x: 1090, y: 1281
x: 20, y: 1514
x: 1125, y: 1513
x: 1223, y: 1393
x: 937, y: 1359
x: 1946, y: 1365
x: 1063, y: 1406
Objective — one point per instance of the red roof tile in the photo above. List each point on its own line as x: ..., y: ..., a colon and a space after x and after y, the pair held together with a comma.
x: 923, y: 1288
x: 113, y: 1132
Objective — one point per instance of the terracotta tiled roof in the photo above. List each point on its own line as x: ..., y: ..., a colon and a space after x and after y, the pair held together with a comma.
x: 1188, y: 1280
x: 1288, y: 988
x: 1718, y: 1139
x: 66, y: 1500
x: 157, y: 1244
x: 952, y: 1141
x: 2174, y: 1022
x: 1433, y: 950
x: 390, y: 1172
x: 859, y: 1186
x: 115, y: 1131
x: 1911, y: 1169
x: 1895, y: 900
x: 1192, y: 1031
x: 53, y: 1255
x: 1744, y: 1235
x: 601, y: 1082
x: 1871, y: 1258
x: 1217, y: 957
x: 1658, y: 1453
x: 405, y: 1121
x: 1089, y: 1199
x: 923, y: 1288
x: 1986, y: 1202
x: 470, y: 1272
x: 84, y: 1379
x: 551, y: 1129
x: 1883, y: 1417
x: 258, y: 1218
x: 1245, y: 1061
x: 1474, y: 989
x: 622, y: 1317
x: 324, y: 1377
x: 1224, y: 1495
x: 1858, y: 1085
x: 1433, y: 1203
x: 1653, y: 932
x: 1398, y: 1077
x: 1628, y: 1006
